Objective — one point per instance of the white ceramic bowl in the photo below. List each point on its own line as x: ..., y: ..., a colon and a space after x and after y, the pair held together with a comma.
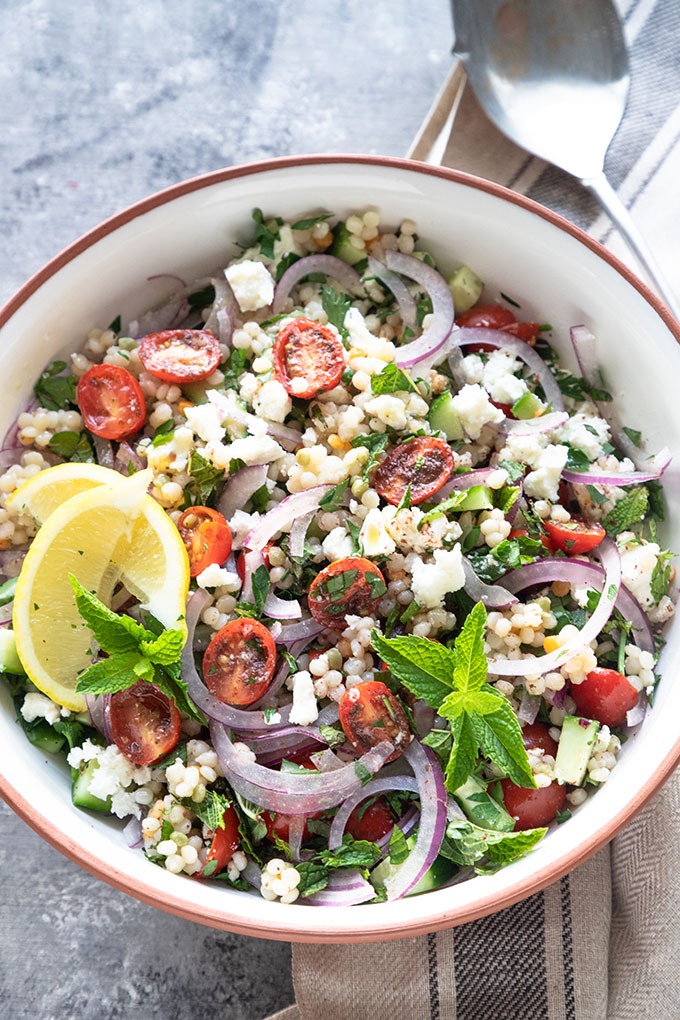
x: 517, y: 247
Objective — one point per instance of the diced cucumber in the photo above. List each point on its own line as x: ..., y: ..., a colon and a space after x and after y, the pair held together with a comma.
x: 466, y: 289
x: 444, y: 417
x: 440, y: 871
x: 196, y: 392
x: 7, y: 589
x: 9, y: 660
x: 481, y: 808
x: 477, y: 497
x: 528, y: 406
x: 80, y: 789
x: 343, y: 248
x: 574, y: 749
x: 42, y: 735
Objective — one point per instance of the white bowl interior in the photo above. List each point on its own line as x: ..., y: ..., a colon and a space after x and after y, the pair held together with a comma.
x: 515, y: 250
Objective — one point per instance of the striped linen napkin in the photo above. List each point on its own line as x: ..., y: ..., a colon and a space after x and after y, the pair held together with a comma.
x: 604, y: 942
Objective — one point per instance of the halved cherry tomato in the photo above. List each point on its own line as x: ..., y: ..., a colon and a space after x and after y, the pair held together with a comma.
x: 372, y: 821
x: 239, y: 662
x: 206, y: 535
x: 523, y: 533
x: 145, y: 723
x: 308, y: 358
x: 241, y: 560
x: 111, y: 402
x: 538, y: 735
x: 370, y: 714
x: 353, y: 585
x: 278, y: 825
x: 180, y: 355
x: 497, y: 317
x: 533, y: 808
x: 422, y: 464
x: 574, y: 537
x: 224, y: 844
x: 605, y: 695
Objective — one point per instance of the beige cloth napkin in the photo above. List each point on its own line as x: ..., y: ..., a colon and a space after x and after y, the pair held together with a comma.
x: 604, y: 942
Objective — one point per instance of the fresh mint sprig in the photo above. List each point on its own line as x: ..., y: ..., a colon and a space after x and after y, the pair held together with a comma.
x: 453, y: 682
x: 133, y: 651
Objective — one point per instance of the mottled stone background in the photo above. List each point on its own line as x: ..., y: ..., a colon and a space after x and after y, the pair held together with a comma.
x: 102, y: 104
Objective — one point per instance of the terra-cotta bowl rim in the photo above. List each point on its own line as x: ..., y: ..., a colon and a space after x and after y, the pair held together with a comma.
x: 367, y: 929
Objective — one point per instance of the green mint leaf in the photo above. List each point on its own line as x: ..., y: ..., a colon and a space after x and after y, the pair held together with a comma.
x: 266, y: 233
x: 470, y: 666
x: 481, y: 702
x: 628, y: 512
x: 114, y: 633
x: 463, y: 758
x: 440, y: 741
x: 203, y: 298
x: 353, y: 853
x: 309, y: 222
x: 375, y: 443
x: 332, y: 736
x: 313, y: 877
x: 164, y: 649
x: 500, y: 737
x: 73, y: 446
x: 424, y: 667
x: 577, y: 460
x: 334, y: 499
x: 468, y: 845
x: 204, y: 480
x: 211, y: 809
x: 56, y: 391
x: 634, y: 436
x: 261, y: 585
x: 392, y: 379
x: 235, y: 367
x: 515, y: 469
x: 398, y: 848
x: 108, y: 676
x: 335, y: 306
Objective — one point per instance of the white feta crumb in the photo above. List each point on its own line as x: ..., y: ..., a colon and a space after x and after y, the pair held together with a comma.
x: 252, y: 284
x: 215, y: 576
x: 374, y: 536
x: 305, y: 709
x: 499, y: 379
x: 543, y: 482
x: 432, y: 581
x: 204, y: 420
x: 272, y: 402
x: 39, y: 706
x: 475, y: 410
x: 638, y: 560
x: 337, y: 544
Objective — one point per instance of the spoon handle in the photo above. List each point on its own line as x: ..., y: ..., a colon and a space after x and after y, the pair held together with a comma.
x: 612, y: 204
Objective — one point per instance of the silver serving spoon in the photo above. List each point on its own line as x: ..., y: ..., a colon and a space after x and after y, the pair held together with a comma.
x: 553, y: 76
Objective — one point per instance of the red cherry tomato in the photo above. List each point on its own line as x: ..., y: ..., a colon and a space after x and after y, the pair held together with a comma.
x: 497, y: 317
x: 538, y: 735
x: 224, y: 844
x: 353, y: 585
x: 533, y: 808
x: 278, y: 825
x: 371, y: 822
x: 180, y: 355
x: 422, y: 464
x: 574, y: 537
x: 206, y: 535
x: 241, y: 560
x: 605, y: 695
x: 239, y: 662
x: 523, y: 533
x: 145, y: 724
x: 308, y: 358
x: 369, y: 714
x: 111, y: 402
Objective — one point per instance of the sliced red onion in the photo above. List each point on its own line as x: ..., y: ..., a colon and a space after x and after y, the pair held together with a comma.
x: 636, y: 715
x: 223, y: 313
x: 6, y: 612
x: 423, y: 717
x: 407, y: 823
x: 327, y: 760
x: 621, y: 478
x: 284, y: 514
x: 296, y: 832
x: 576, y: 571
x: 239, y: 488
x: 304, y: 631
x: 608, y: 553
x: 493, y: 596
x: 345, y: 888
x: 298, y: 534
x: 99, y: 707
x: 433, y: 339
x: 329, y: 265
x: 252, y: 559
x: 521, y: 350
x: 289, y: 438
x: 408, y: 308
x: 103, y: 449
x: 281, y: 609
x: 126, y: 456
x: 433, y: 802
x: 289, y: 792
x: 169, y: 315
x: 533, y: 426
x: 464, y: 480
x: 133, y: 834
x: 382, y: 784
x: 585, y: 349
x: 528, y: 707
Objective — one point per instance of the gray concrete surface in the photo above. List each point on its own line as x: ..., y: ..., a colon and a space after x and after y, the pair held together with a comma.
x: 102, y: 104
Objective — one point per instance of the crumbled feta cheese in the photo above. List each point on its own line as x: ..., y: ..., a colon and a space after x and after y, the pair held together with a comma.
x: 586, y: 433
x: 272, y: 402
x: 525, y: 449
x: 337, y: 544
x: 233, y: 415
x: 543, y: 482
x: 215, y: 576
x: 638, y: 560
x: 39, y: 706
x: 367, y: 353
x: 251, y: 450
x: 305, y: 709
x: 411, y: 535
x: 475, y: 410
x: 388, y: 408
x: 115, y: 777
x: 374, y: 537
x: 432, y: 581
x: 499, y: 379
x: 252, y: 284
x: 204, y: 420
x: 241, y: 524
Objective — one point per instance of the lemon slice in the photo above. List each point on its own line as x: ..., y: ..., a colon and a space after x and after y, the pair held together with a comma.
x: 41, y: 494
x: 107, y: 535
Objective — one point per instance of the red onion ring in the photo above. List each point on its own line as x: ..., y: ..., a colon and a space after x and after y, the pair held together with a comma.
x: 239, y: 488
x: 533, y: 426
x: 133, y: 834
x: 537, y: 665
x: 298, y: 533
x: 408, y: 309
x: 574, y: 571
x: 103, y: 449
x: 345, y: 888
x: 504, y: 341
x: 293, y: 793
x: 281, y: 609
x: 622, y: 478
x: 284, y: 514
x: 493, y: 596
x: 382, y: 784
x: 329, y: 265
x: 99, y: 707
x: 431, y: 340
x: 223, y: 313
x: 304, y: 631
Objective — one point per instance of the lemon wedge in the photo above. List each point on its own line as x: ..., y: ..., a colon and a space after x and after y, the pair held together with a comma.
x: 109, y: 534
x: 41, y: 494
